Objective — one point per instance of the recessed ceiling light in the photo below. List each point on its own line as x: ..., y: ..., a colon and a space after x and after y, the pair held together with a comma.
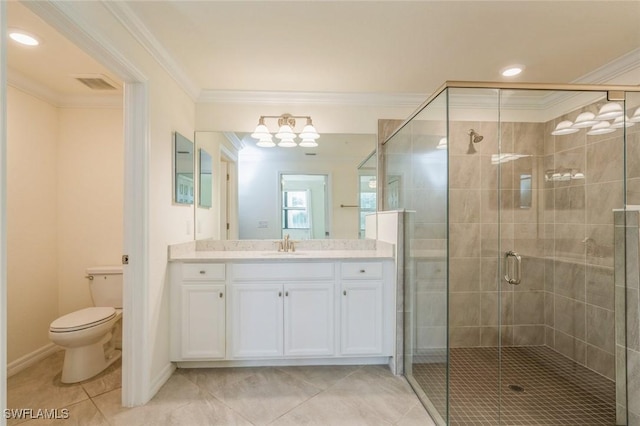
x: 512, y: 70
x: 23, y: 37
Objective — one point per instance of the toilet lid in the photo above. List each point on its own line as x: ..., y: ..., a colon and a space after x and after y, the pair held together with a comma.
x: 84, y: 318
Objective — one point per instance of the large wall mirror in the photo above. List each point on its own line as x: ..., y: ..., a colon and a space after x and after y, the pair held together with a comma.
x: 248, y: 188
x: 334, y: 163
x: 183, y: 175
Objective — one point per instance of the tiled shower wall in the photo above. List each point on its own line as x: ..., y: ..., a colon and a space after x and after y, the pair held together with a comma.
x: 565, y: 238
x: 578, y: 214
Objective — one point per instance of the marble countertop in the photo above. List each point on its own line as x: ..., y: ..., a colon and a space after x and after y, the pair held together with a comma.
x: 213, y: 255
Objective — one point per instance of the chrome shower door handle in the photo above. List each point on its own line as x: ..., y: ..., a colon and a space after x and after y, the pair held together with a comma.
x: 518, y: 267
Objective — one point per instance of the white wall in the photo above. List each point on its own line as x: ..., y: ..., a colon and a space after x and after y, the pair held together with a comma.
x: 65, y: 182
x: 90, y: 198
x: 32, y: 235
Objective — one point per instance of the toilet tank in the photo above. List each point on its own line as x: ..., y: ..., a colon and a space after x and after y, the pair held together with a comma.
x: 106, y: 285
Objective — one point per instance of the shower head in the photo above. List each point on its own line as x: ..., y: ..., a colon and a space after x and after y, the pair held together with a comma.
x: 474, y: 137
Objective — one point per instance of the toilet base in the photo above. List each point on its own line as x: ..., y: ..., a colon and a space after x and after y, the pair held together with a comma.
x: 84, y: 362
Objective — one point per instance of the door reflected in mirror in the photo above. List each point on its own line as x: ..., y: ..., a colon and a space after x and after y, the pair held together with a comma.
x: 183, y: 164
x: 205, y: 180
x: 368, y: 184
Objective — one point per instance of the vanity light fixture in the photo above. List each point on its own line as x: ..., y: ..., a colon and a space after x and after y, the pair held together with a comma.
x: 285, y: 134
x: 442, y: 143
x: 564, y: 128
x: 621, y: 122
x: 610, y: 110
x: 635, y: 118
x: 585, y: 119
x: 601, y: 128
x: 23, y: 37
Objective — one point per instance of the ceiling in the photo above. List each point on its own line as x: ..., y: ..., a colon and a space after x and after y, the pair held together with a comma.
x: 392, y: 47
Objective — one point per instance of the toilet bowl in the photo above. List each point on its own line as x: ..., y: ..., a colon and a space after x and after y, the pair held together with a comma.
x: 87, y: 335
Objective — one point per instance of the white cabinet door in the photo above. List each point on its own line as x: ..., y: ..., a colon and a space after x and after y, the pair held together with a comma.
x: 362, y: 318
x: 203, y: 321
x: 308, y: 319
x: 257, y: 326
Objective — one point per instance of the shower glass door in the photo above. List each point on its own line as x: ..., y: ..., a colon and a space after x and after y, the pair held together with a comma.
x: 520, y: 302
x: 557, y: 189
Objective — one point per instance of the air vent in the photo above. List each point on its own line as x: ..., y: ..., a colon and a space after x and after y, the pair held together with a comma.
x: 310, y: 153
x: 96, y: 81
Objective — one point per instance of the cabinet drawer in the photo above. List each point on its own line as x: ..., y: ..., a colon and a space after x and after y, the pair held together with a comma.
x: 361, y: 270
x: 203, y: 271
x: 282, y: 271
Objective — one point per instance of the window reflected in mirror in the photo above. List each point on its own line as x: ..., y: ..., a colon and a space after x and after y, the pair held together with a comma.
x: 304, y: 206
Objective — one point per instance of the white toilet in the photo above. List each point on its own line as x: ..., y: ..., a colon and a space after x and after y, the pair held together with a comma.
x: 87, y: 335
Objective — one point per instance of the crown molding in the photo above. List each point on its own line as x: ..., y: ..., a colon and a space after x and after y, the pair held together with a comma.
x: 69, y: 22
x: 129, y: 20
x: 27, y: 85
x: 234, y: 140
x: 410, y: 100
x: 608, y: 72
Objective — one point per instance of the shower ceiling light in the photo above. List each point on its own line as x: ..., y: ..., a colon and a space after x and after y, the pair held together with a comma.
x: 564, y: 128
x: 512, y: 70
x: 286, y: 134
x: 610, y: 110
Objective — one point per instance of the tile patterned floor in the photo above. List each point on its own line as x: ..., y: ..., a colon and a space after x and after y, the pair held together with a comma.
x: 557, y: 391
x: 319, y: 395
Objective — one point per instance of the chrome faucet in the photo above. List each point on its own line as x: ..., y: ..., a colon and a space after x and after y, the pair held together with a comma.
x: 286, y: 245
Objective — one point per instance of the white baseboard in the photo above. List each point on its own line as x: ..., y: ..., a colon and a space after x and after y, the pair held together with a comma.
x: 161, y: 379
x: 31, y: 358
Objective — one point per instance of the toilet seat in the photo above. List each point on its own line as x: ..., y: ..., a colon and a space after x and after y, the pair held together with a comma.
x: 82, y: 319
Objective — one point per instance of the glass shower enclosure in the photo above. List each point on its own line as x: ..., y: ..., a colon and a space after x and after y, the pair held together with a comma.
x: 521, y: 252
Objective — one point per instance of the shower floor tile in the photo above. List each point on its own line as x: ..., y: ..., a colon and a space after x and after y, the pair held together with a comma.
x: 546, y: 388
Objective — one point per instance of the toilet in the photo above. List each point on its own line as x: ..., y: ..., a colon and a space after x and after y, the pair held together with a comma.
x: 87, y: 335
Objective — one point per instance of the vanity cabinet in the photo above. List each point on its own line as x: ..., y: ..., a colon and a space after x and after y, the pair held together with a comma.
x: 272, y: 316
x: 362, y: 309
x: 199, y: 311
x: 255, y: 312
x: 282, y: 319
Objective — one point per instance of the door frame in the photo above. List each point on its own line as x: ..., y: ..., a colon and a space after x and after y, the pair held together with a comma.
x: 136, y: 359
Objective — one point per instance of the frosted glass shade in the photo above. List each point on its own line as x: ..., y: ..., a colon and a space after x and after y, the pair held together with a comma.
x: 309, y: 132
x: 285, y: 132
x: 308, y: 143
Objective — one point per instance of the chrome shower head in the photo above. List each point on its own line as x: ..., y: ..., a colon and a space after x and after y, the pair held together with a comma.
x: 474, y: 137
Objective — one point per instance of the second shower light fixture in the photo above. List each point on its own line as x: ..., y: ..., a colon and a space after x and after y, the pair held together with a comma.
x: 285, y: 134
x: 598, y: 123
